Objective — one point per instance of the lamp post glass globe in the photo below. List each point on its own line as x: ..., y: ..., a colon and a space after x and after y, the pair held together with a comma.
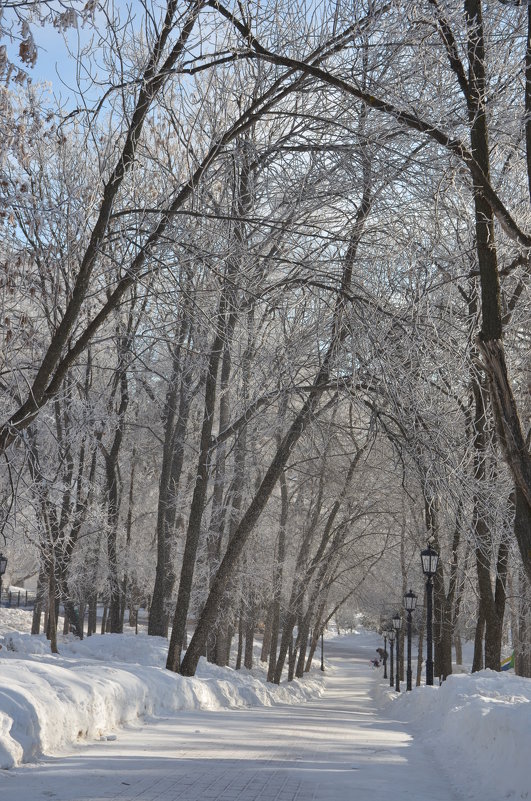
x: 430, y: 560
x: 397, y: 622
x: 410, y: 601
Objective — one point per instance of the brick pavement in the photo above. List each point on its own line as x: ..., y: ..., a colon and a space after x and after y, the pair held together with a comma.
x: 233, y: 782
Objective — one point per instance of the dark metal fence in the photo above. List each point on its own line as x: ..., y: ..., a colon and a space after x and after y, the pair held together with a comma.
x: 18, y: 598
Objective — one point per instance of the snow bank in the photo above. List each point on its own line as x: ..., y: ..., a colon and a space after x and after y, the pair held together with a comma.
x: 47, y: 702
x: 479, y: 727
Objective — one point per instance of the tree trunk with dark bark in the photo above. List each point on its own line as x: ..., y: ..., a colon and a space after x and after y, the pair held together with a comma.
x: 266, y: 640
x: 522, y: 650
x: 420, y: 646
x: 39, y: 597
x: 176, y: 414
x: 478, y: 659
x: 52, y: 617
x: 278, y: 569
x: 250, y: 625
x: 198, y: 501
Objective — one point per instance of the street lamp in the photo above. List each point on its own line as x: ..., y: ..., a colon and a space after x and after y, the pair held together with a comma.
x: 410, y: 602
x: 430, y: 559
x: 385, y: 653
x: 3, y: 565
x: 397, y: 624
x: 391, y: 635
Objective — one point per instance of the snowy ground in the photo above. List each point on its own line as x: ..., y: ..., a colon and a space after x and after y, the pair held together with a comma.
x: 104, y: 720
x: 480, y: 727
x: 48, y: 703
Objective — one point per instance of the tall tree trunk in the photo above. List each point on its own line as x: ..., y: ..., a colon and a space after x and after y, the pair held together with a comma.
x: 523, y: 641
x: 128, y: 532
x: 242, y: 202
x: 250, y: 626
x: 224, y: 629
x: 266, y: 640
x: 241, y: 632
x: 113, y: 487
x: 198, y: 501
x: 219, y: 509
x: 278, y: 570
x: 460, y: 588
x: 447, y: 605
x: 478, y: 661
x: 39, y: 596
x: 422, y: 629
x: 115, y: 590
x: 176, y: 414
x: 303, y: 635
x: 52, y: 617
x: 492, y: 602
x: 316, y: 633
x: 494, y: 629
x: 92, y: 622
x: 502, y: 399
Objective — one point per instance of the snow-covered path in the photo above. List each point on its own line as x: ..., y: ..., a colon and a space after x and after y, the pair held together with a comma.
x: 334, y: 748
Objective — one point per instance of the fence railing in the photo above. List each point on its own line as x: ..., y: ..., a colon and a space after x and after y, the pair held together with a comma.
x: 18, y: 598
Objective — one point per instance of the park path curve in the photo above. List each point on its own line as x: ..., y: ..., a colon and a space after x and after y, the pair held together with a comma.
x: 336, y: 748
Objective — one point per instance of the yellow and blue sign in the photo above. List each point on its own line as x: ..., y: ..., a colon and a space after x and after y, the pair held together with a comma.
x: 508, y: 663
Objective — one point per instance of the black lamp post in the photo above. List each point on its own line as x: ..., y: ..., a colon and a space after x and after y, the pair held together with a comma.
x: 397, y: 624
x: 385, y: 654
x: 3, y: 565
x: 391, y: 636
x: 410, y: 602
x: 430, y: 559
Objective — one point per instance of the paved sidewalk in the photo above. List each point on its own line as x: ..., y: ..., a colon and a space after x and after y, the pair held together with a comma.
x: 336, y: 748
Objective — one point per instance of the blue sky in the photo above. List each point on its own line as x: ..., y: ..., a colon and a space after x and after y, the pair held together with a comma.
x: 56, y: 62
